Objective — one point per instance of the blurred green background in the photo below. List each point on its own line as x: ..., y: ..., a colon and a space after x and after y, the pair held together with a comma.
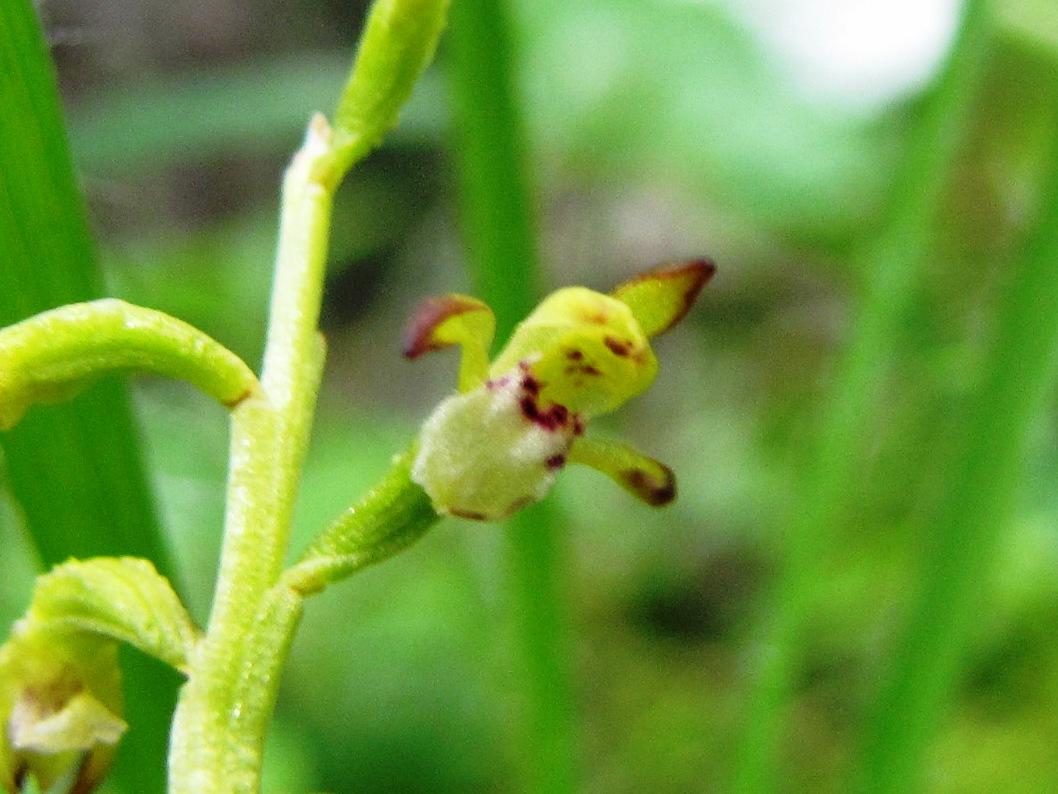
x: 826, y: 406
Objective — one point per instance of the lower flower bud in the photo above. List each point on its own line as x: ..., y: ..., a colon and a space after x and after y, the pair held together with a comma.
x: 60, y: 705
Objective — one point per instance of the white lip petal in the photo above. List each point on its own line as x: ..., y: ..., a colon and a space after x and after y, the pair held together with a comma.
x: 486, y: 453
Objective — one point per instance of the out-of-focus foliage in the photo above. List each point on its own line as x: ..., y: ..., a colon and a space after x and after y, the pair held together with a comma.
x: 659, y: 129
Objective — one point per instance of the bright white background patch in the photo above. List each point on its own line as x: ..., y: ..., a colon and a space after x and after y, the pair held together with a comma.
x: 860, y: 53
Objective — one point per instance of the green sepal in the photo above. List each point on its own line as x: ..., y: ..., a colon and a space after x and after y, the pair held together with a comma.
x: 660, y: 298
x: 644, y: 477
x: 51, y: 356
x: 446, y: 320
x: 124, y: 599
x: 585, y: 349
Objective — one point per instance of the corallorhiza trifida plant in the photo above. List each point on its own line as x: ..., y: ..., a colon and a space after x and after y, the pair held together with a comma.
x: 488, y: 450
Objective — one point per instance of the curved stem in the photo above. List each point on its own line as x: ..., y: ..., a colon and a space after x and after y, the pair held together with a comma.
x: 54, y: 354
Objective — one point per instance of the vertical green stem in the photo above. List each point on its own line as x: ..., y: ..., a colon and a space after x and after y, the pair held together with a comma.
x: 536, y: 580
x: 219, y: 727
x: 498, y: 216
x: 270, y: 436
x: 890, y: 266
x: 217, y: 743
x: 499, y: 232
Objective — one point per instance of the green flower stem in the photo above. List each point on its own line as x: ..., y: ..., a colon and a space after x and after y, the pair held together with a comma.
x: 206, y: 753
x: 269, y: 442
x: 219, y: 726
x: 53, y: 354
x: 392, y: 516
x: 214, y: 746
x: 255, y: 682
x: 890, y: 266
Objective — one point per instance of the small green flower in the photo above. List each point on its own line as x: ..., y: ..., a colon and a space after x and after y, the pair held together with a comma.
x: 498, y: 444
x: 60, y: 707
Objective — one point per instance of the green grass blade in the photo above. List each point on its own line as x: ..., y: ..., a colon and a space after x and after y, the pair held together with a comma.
x: 75, y: 469
x: 499, y: 234
x: 983, y: 477
x: 536, y: 575
x: 498, y: 220
x: 890, y: 266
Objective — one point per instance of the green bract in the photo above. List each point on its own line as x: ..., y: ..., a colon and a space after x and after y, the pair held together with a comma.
x: 498, y: 444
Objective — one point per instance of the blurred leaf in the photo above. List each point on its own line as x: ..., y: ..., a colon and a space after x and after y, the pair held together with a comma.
x: 1034, y: 21
x: 891, y: 266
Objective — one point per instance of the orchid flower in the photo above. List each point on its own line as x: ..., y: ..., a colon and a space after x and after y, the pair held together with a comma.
x: 498, y: 444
